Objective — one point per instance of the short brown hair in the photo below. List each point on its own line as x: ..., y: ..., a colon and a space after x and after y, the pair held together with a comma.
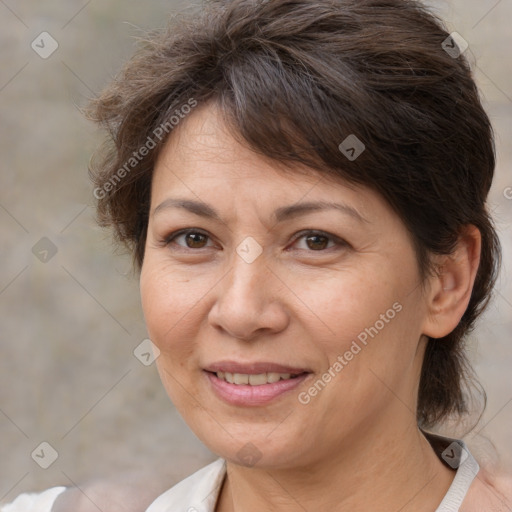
x: 293, y: 79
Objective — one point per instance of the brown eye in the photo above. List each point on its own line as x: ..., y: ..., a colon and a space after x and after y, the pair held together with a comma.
x: 192, y: 239
x: 195, y: 240
x: 318, y: 241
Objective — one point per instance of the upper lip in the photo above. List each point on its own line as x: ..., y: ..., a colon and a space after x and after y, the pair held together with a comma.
x: 254, y: 368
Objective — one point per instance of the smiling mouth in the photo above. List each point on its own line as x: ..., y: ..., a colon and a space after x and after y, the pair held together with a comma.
x: 254, y: 379
x: 253, y: 384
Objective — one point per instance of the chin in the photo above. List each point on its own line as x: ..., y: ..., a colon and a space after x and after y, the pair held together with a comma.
x: 256, y: 446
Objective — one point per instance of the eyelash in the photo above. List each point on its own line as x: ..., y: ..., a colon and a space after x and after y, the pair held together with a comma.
x: 301, y: 234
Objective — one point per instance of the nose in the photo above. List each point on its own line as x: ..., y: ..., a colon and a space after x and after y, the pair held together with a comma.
x: 249, y: 302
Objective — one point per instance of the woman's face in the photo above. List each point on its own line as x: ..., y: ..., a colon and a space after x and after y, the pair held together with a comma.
x: 267, y: 286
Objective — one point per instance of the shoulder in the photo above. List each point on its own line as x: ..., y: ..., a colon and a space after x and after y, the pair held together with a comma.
x: 491, y: 492
x: 125, y: 493
x: 34, y: 502
x: 99, y: 495
x: 106, y: 495
x: 130, y: 492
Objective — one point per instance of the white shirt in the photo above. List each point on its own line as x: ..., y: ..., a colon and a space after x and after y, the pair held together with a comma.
x: 199, y: 492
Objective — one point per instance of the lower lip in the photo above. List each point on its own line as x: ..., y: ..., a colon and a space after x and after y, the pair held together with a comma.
x: 245, y: 394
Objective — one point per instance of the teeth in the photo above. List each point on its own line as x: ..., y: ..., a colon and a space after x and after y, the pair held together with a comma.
x: 258, y: 380
x: 253, y: 380
x: 240, y: 378
x: 273, y: 377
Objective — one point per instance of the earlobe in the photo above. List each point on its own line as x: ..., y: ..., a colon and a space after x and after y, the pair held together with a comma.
x: 450, y: 288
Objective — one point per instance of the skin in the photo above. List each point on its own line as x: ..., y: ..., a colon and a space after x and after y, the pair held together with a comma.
x: 297, y: 305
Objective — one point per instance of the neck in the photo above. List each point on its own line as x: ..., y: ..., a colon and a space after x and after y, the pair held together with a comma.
x: 394, y: 471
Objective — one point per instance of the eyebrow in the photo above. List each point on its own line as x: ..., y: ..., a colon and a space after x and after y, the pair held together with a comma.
x: 281, y: 214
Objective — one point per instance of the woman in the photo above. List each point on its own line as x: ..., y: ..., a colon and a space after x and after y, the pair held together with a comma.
x: 303, y: 185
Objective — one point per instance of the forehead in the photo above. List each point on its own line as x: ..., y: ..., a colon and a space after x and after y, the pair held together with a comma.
x: 203, y: 143
x: 203, y: 159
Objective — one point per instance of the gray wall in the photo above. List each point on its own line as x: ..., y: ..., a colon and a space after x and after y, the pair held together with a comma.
x: 69, y: 325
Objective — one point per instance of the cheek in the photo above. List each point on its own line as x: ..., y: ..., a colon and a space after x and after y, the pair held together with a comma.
x: 345, y: 305
x: 368, y: 327
x: 376, y: 330
x: 171, y: 301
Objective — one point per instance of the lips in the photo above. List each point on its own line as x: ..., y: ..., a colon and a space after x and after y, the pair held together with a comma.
x: 254, y: 368
x: 251, y: 384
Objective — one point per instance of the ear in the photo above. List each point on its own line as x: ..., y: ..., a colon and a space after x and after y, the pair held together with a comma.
x: 450, y: 289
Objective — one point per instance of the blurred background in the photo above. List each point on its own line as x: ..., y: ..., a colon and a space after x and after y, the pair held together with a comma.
x: 69, y: 305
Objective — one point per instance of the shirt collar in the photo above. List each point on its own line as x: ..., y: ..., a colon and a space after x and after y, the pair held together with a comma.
x: 197, y: 493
